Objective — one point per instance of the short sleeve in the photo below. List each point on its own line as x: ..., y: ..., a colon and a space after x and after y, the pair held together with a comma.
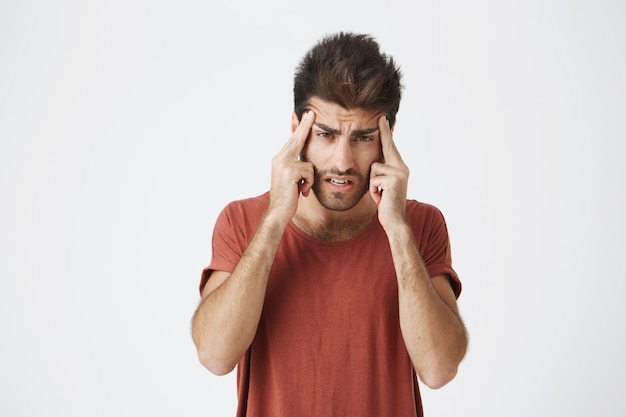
x: 431, y: 234
x: 232, y: 233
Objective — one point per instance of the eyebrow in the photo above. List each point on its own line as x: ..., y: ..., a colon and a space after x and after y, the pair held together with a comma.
x: 359, y: 132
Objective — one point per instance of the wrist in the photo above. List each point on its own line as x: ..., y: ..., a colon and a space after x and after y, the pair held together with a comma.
x: 399, y: 231
x: 274, y: 219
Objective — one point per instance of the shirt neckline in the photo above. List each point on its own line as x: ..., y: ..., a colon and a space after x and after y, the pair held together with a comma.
x: 363, y: 234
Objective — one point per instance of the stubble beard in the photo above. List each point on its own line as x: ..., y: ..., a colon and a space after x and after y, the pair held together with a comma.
x: 338, y: 201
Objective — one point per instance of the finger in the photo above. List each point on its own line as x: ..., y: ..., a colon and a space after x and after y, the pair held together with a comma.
x: 376, y: 181
x: 376, y: 191
x: 389, y: 150
x: 385, y: 177
x: 307, y: 177
x: 380, y: 169
x: 301, y: 134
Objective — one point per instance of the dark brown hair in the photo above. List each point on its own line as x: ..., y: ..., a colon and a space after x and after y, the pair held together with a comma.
x: 348, y: 69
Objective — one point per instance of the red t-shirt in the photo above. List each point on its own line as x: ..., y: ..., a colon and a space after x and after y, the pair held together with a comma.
x: 329, y: 341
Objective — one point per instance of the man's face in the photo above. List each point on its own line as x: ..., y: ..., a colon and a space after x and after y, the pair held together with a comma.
x: 342, y: 146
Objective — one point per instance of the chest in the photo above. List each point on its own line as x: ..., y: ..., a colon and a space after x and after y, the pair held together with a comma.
x: 338, y: 292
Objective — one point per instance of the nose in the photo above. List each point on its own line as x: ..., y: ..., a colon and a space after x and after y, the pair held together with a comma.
x: 343, y: 158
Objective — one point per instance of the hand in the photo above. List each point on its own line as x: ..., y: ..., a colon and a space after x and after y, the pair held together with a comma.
x: 389, y: 180
x: 290, y: 176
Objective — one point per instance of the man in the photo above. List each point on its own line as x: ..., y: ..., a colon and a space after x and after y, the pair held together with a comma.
x: 332, y: 292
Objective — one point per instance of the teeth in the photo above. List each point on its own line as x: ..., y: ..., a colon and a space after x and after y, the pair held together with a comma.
x: 338, y: 182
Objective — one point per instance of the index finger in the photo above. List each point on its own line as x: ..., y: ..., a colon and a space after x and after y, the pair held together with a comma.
x: 301, y: 134
x: 390, y: 152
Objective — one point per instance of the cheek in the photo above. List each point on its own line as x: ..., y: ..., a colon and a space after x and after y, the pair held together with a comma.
x: 374, y: 155
x: 314, y: 150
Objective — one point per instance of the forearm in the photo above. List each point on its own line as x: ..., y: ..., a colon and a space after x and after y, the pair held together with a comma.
x: 431, y: 326
x: 226, y: 320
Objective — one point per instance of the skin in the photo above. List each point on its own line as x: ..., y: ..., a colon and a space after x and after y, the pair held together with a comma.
x: 339, y: 169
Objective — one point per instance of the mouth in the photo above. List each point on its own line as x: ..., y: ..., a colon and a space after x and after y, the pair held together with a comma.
x: 339, y: 182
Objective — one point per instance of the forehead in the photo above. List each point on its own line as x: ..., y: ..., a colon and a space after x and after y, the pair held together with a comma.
x: 332, y: 114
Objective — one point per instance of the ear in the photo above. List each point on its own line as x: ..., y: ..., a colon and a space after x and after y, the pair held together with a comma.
x: 294, y: 122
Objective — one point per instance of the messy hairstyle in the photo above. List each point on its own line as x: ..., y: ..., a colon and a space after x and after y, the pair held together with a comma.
x: 348, y: 69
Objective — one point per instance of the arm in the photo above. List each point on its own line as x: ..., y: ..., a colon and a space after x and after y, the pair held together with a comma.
x: 225, y: 322
x: 227, y: 317
x: 431, y: 326
x: 429, y: 319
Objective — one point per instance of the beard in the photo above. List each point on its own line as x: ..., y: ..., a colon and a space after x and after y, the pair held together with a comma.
x: 340, y: 201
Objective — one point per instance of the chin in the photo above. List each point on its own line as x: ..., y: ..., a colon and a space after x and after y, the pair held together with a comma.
x: 336, y: 201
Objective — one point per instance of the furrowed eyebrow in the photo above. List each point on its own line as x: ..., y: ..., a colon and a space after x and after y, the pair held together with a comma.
x: 359, y: 132
x: 327, y: 128
x: 362, y: 132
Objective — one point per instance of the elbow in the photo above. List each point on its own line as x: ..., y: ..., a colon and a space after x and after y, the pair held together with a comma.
x: 438, y: 377
x: 440, y: 370
x: 216, y: 360
x: 217, y: 367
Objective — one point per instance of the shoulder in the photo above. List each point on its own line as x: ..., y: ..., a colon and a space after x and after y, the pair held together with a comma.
x: 423, y: 212
x: 426, y: 219
x: 248, y: 205
x: 244, y: 214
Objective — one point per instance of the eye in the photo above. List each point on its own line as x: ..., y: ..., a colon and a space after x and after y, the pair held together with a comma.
x: 324, y: 135
x: 364, y: 139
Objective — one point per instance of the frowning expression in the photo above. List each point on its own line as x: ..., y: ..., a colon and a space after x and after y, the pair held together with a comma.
x: 342, y: 146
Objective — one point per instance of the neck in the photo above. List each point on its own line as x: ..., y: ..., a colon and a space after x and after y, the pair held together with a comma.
x: 331, y: 225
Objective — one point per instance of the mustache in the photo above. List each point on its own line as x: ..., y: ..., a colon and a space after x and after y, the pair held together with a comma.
x: 334, y: 171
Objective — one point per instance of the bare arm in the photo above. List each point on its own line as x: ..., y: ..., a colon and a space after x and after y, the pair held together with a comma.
x: 432, y: 329
x: 227, y: 317
x: 429, y: 319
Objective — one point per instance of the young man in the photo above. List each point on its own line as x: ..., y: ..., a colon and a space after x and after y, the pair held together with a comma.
x: 332, y: 292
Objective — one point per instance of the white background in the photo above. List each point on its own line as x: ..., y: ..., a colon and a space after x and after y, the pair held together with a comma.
x: 126, y: 126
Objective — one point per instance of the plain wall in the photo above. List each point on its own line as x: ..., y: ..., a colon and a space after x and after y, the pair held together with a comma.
x: 126, y: 126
